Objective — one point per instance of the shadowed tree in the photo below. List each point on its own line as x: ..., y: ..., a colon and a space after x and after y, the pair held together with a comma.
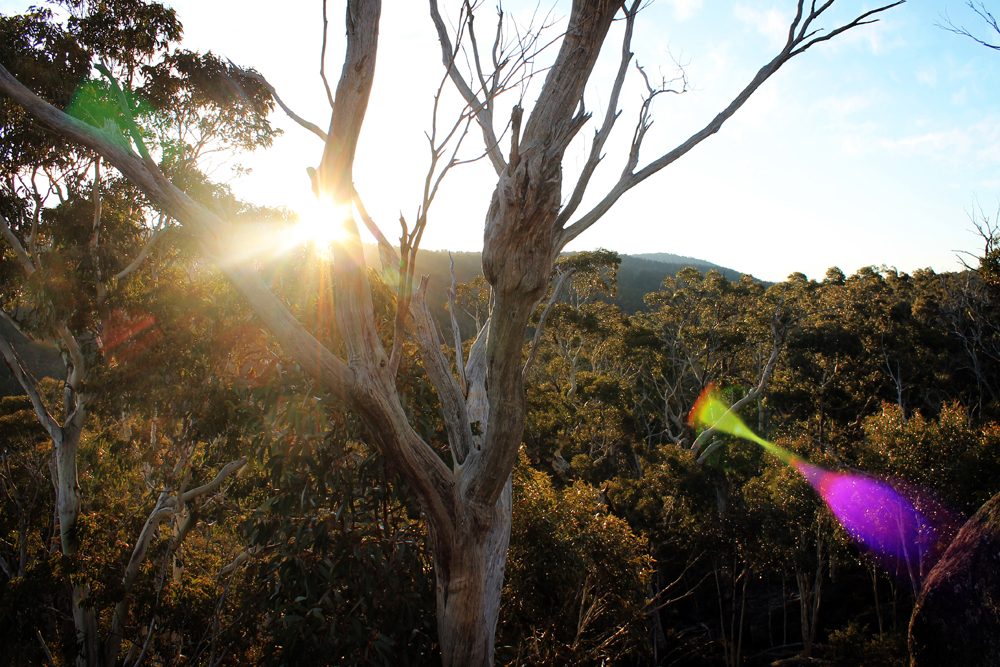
x: 67, y: 266
x: 467, y: 502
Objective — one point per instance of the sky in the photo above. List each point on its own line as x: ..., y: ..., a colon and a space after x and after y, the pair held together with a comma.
x: 874, y: 148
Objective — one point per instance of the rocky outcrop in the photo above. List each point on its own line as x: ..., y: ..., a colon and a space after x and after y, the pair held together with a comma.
x: 956, y: 620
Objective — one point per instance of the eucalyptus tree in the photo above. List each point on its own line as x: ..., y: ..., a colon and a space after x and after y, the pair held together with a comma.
x: 467, y: 504
x: 76, y: 237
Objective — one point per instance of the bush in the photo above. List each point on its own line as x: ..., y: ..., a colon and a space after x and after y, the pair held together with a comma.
x: 576, y: 578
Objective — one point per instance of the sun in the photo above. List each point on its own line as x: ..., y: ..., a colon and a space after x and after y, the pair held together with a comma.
x: 320, y: 223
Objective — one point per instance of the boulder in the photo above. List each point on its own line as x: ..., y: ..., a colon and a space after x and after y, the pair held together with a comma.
x: 956, y: 620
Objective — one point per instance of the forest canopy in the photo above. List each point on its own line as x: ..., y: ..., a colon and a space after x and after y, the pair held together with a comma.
x: 249, y: 451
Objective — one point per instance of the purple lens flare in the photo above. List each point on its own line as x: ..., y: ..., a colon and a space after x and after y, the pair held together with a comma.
x: 903, y: 526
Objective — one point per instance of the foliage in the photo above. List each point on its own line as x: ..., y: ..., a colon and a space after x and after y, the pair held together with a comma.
x: 852, y: 646
x: 318, y: 553
x: 347, y: 579
x: 576, y: 578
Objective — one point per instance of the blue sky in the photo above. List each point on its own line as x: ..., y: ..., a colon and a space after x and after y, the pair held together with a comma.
x: 870, y: 149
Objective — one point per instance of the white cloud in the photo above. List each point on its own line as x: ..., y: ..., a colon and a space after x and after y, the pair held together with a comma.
x: 838, y: 108
x: 852, y: 144
x: 978, y: 143
x: 772, y: 23
x: 927, y: 77
x: 684, y: 9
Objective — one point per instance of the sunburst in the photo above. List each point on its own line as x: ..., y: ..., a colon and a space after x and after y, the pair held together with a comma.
x: 320, y: 223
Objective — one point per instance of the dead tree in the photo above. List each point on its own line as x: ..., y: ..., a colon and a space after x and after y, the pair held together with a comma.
x: 467, y: 506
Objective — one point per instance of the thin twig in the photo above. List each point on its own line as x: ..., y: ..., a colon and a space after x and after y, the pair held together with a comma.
x: 536, y: 340
x: 456, y: 331
x: 322, y: 59
x: 315, y: 129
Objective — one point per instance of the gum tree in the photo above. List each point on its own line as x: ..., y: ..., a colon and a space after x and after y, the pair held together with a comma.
x: 77, y: 235
x: 467, y: 501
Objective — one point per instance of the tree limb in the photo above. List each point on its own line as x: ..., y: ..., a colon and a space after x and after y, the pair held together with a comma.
x: 226, y: 471
x: 483, y: 115
x: 45, y: 649
x: 456, y: 330
x: 137, y: 262
x: 322, y: 60
x: 778, y: 331
x: 984, y: 14
x: 537, y: 338
x: 610, y: 116
x: 270, y: 89
x: 796, y: 44
x: 27, y: 382
x: 208, y: 227
x: 453, y: 408
x: 16, y: 246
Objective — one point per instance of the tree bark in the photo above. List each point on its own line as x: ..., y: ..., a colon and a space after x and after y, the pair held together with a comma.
x: 469, y: 585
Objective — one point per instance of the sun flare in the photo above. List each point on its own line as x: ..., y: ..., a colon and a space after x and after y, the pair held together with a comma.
x: 320, y: 223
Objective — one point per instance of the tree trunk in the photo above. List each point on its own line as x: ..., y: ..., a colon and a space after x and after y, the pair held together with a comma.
x: 67, y: 442
x: 68, y: 491
x: 469, y: 585
x: 810, y: 595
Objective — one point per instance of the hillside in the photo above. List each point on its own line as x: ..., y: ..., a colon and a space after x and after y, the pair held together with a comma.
x: 638, y: 275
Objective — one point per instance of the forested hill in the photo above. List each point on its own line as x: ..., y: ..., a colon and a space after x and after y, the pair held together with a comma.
x: 638, y: 275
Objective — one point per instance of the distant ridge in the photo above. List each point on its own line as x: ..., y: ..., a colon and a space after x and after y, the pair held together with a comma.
x: 670, y: 258
x: 639, y: 275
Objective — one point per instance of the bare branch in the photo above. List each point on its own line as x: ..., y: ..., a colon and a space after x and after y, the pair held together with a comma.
x: 166, y: 506
x: 861, y: 20
x: 487, y: 90
x: 610, y: 116
x: 45, y: 649
x: 96, y: 195
x: 453, y: 407
x: 270, y: 89
x: 537, y: 339
x: 137, y: 262
x: 16, y: 246
x: 676, y: 581
x: 76, y: 357
x: 322, y: 59
x: 479, y: 108
x: 227, y: 470
x: 29, y: 385
x: 456, y: 331
x: 779, y: 330
x: 239, y: 560
x: 409, y: 242
x: 386, y: 251
x: 965, y: 32
x: 796, y: 44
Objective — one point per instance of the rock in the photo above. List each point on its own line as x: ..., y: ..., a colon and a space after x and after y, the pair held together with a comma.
x: 956, y: 620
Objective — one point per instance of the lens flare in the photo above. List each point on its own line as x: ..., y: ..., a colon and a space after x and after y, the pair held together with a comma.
x: 321, y: 223
x: 901, y: 525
